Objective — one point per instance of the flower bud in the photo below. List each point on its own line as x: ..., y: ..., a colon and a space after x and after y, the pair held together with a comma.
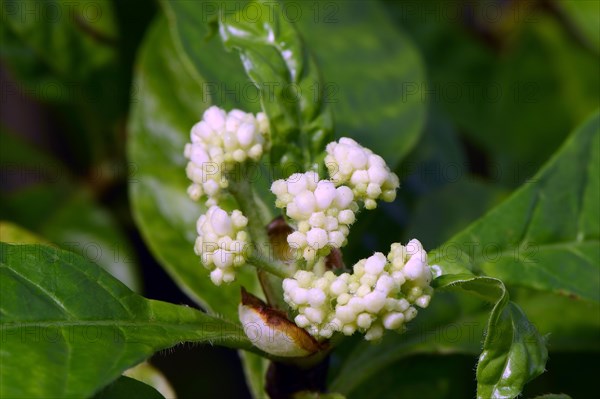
x: 270, y: 330
x: 322, y: 213
x: 219, y: 141
x: 364, y: 172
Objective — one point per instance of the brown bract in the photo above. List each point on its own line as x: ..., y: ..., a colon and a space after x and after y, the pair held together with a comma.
x: 270, y: 330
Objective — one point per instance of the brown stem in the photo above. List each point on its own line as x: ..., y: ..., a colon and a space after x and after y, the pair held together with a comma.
x: 284, y: 380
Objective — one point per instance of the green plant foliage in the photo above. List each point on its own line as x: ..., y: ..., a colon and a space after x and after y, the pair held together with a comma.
x: 585, y: 16
x: 125, y: 387
x: 450, y: 325
x: 368, y: 96
x: 15, y: 234
x: 79, y: 328
x: 374, y: 94
x: 63, y: 213
x: 160, y: 125
x: 430, y: 376
x: 513, y: 351
x: 520, y: 244
x: 53, y: 31
x: 511, y: 89
x: 146, y: 373
x: 580, y: 146
x: 255, y: 370
x: 70, y: 55
x: 277, y: 61
x: 487, y: 111
x: 569, y: 327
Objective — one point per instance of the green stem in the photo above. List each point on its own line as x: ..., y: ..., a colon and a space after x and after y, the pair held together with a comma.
x: 278, y: 269
x: 254, y: 209
x: 270, y: 271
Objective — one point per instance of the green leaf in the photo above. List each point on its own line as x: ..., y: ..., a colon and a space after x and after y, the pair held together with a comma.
x: 72, y: 38
x: 70, y: 54
x: 373, y: 74
x: 73, y: 221
x: 546, y: 235
x: 74, y: 328
x: 569, y: 325
x: 223, y: 83
x: 376, y: 96
x: 255, y: 370
x: 553, y: 396
x: 292, y: 94
x: 128, y: 388
x: 513, y: 351
x: 151, y: 376
x: 451, y: 324
x: 10, y: 232
x: 585, y: 16
x: 159, y: 127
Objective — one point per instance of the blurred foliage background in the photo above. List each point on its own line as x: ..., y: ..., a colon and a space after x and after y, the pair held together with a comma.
x: 501, y: 84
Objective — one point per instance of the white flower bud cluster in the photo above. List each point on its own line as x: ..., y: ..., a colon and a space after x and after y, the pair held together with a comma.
x: 221, y: 243
x: 366, y: 173
x: 380, y: 294
x: 219, y: 140
x: 322, y: 211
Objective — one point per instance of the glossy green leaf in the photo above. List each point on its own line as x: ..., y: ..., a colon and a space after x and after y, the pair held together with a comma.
x: 513, y: 351
x: 376, y: 96
x: 173, y: 101
x: 292, y: 94
x: 546, y: 235
x: 126, y: 387
x: 374, y: 77
x: 72, y: 328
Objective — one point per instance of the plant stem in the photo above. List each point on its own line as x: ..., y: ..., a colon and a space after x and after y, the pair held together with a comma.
x: 270, y: 270
x: 276, y: 268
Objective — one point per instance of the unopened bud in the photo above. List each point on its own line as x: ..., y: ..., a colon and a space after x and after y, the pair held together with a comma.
x: 270, y: 330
